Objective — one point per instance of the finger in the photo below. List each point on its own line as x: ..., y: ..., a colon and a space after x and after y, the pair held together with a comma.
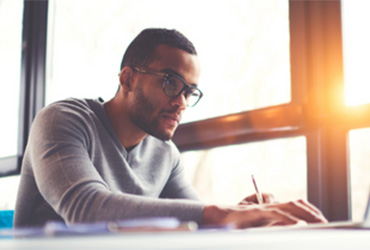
x: 250, y: 199
x: 246, y: 203
x: 268, y: 198
x: 301, y: 211
x: 311, y: 207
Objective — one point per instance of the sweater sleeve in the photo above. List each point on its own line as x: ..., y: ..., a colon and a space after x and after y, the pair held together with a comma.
x: 71, y: 185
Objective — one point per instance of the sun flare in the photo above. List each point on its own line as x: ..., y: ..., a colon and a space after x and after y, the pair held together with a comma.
x: 357, y: 95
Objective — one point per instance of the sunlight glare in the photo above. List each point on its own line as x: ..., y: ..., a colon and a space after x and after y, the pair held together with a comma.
x: 356, y: 51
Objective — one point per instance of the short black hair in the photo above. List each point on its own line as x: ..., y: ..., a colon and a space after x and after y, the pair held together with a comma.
x: 140, y: 51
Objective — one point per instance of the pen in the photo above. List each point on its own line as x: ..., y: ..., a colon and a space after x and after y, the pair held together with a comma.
x: 258, y: 194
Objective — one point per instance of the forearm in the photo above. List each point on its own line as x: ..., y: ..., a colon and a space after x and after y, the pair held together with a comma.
x: 106, y: 206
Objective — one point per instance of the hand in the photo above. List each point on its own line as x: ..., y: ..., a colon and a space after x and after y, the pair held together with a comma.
x: 301, y: 209
x: 289, y: 213
x: 252, y: 199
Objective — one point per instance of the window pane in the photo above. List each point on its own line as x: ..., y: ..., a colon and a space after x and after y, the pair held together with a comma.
x: 359, y: 144
x: 11, y: 12
x: 243, y: 47
x: 356, y: 51
x: 223, y: 175
x: 8, y: 190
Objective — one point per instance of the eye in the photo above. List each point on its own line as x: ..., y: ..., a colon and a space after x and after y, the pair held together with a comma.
x: 173, y: 86
x: 192, y: 92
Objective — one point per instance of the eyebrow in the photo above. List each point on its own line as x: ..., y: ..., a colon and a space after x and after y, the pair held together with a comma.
x: 171, y: 72
x: 174, y: 72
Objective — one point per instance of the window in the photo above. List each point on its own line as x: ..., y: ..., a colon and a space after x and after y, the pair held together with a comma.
x: 241, y: 70
x: 223, y: 175
x: 22, y: 81
x: 356, y: 51
x: 359, y: 144
x: 10, y: 61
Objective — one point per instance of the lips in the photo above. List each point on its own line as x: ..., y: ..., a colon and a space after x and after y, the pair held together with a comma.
x: 175, y: 118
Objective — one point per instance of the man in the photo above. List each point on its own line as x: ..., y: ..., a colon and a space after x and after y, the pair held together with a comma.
x: 90, y: 161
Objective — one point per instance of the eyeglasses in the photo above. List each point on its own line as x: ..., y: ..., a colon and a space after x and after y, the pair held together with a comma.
x: 174, y: 85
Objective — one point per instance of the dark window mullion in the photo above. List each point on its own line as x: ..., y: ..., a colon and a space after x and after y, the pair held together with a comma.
x: 33, y: 68
x: 316, y: 39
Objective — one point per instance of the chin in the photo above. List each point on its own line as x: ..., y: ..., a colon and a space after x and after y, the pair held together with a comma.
x: 167, y: 137
x: 162, y: 132
x: 164, y: 135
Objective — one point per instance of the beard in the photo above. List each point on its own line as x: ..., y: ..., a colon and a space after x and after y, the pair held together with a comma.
x: 142, y: 112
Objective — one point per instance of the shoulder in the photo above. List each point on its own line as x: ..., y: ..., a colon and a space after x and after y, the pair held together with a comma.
x: 70, y: 120
x: 66, y: 110
x: 69, y: 105
x: 65, y: 116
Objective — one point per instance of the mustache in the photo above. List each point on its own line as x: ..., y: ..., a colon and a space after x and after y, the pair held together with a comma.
x: 174, y: 111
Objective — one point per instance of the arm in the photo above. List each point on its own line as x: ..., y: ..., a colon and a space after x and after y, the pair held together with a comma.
x: 71, y: 184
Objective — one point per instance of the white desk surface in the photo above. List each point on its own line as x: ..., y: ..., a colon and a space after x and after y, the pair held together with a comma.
x: 285, y: 239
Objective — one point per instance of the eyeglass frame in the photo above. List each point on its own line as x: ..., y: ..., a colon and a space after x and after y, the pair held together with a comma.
x: 165, y: 76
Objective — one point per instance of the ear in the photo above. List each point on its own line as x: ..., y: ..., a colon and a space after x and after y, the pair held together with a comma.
x: 125, y: 78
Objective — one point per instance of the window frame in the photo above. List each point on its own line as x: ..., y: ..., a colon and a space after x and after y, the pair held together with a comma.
x: 316, y: 111
x: 33, y: 65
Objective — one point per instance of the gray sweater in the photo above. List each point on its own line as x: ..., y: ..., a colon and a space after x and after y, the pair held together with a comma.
x: 76, y: 170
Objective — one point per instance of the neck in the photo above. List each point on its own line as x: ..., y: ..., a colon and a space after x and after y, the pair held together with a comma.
x: 127, y: 132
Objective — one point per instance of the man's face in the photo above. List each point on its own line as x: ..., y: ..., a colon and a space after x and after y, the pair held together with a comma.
x: 151, y: 109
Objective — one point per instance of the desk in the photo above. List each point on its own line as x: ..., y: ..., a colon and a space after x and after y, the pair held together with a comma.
x: 270, y: 239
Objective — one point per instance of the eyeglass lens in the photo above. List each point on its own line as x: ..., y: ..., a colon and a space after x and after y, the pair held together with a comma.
x: 173, y: 86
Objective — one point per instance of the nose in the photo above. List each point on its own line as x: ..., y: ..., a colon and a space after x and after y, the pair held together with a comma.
x: 179, y: 101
